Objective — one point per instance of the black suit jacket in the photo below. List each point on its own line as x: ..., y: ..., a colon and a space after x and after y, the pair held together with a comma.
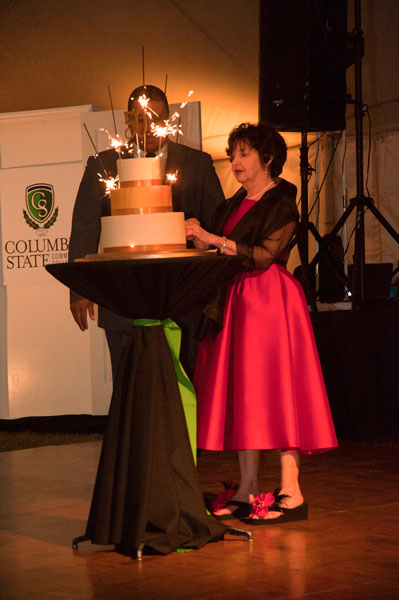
x: 197, y: 193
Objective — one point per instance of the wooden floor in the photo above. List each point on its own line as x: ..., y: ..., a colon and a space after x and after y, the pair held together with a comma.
x: 347, y: 550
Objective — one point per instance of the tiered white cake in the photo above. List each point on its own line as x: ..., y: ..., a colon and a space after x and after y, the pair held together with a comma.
x: 142, y: 217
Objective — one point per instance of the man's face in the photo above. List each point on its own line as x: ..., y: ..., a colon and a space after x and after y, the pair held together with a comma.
x: 159, y: 114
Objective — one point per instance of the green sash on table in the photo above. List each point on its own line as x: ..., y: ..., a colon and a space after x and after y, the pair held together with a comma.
x: 173, y: 337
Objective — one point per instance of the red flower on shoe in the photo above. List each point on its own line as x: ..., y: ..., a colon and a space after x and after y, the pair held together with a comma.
x: 222, y: 499
x: 261, y: 505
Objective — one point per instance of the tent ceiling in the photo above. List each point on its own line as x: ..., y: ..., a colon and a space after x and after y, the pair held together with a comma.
x: 55, y: 53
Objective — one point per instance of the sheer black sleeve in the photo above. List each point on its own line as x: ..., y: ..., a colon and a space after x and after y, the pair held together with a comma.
x: 274, y: 248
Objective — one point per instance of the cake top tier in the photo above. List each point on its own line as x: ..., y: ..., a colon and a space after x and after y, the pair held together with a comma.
x: 139, y: 169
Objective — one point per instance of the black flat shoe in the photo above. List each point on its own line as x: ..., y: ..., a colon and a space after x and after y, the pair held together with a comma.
x: 299, y: 513
x: 243, y: 510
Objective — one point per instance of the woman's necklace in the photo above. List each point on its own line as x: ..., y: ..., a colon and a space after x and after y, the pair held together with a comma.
x: 262, y: 191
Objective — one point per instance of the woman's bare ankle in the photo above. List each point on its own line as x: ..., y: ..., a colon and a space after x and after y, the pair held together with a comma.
x: 294, y: 497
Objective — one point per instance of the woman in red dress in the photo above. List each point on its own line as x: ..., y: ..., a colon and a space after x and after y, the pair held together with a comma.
x: 258, y: 380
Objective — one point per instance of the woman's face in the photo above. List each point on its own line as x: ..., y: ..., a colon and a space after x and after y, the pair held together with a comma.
x: 246, y: 164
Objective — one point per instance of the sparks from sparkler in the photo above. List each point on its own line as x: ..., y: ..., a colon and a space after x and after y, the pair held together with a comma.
x: 143, y: 101
x: 112, y: 183
x: 147, y: 110
x: 190, y: 93
x: 115, y: 142
x: 168, y: 128
x: 172, y: 177
x: 162, y: 131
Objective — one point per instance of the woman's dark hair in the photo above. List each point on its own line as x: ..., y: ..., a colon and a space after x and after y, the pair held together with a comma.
x: 263, y: 138
x: 152, y: 92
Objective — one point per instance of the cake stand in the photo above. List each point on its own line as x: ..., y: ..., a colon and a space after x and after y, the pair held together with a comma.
x: 147, y: 493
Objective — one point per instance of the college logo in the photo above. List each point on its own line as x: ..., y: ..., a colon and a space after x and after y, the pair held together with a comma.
x: 41, y: 213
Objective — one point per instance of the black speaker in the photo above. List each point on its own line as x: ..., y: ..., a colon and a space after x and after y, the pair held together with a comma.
x: 377, y: 280
x: 302, y: 64
x: 331, y: 287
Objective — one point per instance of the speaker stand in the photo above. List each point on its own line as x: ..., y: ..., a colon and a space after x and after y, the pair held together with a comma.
x: 360, y: 202
x: 303, y: 226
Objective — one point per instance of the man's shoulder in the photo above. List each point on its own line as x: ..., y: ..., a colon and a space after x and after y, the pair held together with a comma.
x: 187, y: 151
x: 105, y: 156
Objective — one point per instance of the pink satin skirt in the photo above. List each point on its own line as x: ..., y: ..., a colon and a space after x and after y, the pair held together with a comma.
x: 259, y: 383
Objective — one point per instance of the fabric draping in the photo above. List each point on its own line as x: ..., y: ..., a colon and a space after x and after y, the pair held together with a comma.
x: 173, y: 337
x: 147, y: 489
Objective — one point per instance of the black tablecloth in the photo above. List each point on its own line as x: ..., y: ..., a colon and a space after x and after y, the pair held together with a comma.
x: 147, y: 489
x: 154, y: 288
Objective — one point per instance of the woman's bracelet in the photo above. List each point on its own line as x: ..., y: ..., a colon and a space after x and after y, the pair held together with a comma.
x: 223, y: 246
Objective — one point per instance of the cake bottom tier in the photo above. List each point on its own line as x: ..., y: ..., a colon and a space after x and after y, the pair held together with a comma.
x: 154, y: 231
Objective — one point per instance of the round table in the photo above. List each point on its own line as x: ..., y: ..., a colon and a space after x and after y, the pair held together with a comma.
x: 147, y: 491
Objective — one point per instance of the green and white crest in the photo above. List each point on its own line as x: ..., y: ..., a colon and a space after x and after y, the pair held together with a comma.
x: 39, y: 199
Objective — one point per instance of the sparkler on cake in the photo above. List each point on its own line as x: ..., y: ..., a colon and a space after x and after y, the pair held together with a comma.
x: 142, y: 217
x: 142, y: 220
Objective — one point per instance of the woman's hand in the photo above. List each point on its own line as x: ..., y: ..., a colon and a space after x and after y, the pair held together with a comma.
x: 203, y: 239
x: 195, y: 232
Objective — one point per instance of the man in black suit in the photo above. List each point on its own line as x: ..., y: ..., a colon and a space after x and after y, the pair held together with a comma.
x: 197, y: 193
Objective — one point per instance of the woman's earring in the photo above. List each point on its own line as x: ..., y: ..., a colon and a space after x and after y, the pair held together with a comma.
x: 267, y: 170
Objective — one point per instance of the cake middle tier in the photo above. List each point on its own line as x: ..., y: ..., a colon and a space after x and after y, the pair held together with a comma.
x: 141, y: 232
x: 139, y: 200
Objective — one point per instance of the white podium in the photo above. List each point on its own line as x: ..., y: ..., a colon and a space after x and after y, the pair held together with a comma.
x: 47, y: 365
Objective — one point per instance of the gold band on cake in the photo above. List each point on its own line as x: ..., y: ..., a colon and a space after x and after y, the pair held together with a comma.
x: 144, y: 210
x: 146, y: 248
x: 140, y: 183
x: 140, y: 197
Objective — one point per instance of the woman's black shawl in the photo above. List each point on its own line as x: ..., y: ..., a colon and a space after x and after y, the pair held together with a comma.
x: 271, y: 213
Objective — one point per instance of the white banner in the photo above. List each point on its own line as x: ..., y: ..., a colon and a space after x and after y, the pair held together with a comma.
x: 36, y: 210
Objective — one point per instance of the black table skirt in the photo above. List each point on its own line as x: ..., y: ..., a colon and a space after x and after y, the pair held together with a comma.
x: 147, y: 489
